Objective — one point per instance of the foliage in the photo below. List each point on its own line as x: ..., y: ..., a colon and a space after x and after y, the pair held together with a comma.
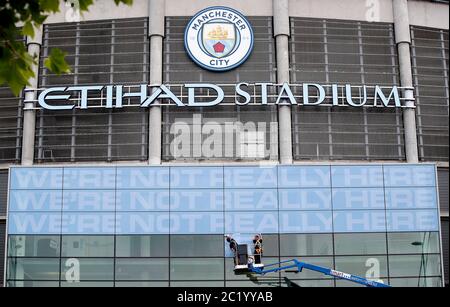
x: 15, y: 62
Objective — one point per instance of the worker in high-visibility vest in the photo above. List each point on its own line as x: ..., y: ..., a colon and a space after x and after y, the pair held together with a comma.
x: 233, y: 246
x: 258, y: 250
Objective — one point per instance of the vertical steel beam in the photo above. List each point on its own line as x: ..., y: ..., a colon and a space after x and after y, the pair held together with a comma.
x: 156, y: 33
x: 282, y: 33
x: 403, y: 41
x: 29, y: 115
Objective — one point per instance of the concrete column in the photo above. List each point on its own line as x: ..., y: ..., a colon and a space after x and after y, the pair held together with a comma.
x: 29, y: 114
x: 156, y: 34
x: 403, y: 41
x: 281, y: 33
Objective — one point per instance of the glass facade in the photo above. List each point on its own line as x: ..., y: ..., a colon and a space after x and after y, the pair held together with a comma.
x: 153, y: 226
x: 201, y: 264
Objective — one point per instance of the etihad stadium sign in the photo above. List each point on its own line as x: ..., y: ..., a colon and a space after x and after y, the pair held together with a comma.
x: 210, y: 95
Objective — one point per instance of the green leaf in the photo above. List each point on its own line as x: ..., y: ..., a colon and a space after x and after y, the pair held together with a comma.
x: 15, y: 68
x: 56, y: 62
x: 49, y: 5
x: 127, y: 2
x: 28, y: 29
x: 84, y: 4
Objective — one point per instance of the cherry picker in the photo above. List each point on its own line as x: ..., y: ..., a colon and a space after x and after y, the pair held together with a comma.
x: 294, y: 263
x: 245, y: 263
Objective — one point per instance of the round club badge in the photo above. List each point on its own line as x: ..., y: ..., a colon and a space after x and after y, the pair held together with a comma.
x: 219, y: 38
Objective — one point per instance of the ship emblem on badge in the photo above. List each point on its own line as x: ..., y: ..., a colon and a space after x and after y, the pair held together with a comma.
x: 218, y: 39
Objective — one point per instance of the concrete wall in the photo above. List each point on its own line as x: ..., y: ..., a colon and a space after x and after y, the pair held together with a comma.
x: 427, y: 14
x: 103, y: 9
x: 364, y: 10
x: 422, y: 13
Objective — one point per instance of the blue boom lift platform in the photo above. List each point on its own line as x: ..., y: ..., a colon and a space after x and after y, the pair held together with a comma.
x: 245, y: 263
x: 294, y: 263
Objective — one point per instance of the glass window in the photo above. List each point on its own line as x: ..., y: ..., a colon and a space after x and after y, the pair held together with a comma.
x: 251, y: 199
x: 35, y: 200
x: 196, y: 200
x: 32, y: 284
x: 306, y: 244
x: 409, y: 175
x: 142, y: 284
x: 33, y: 269
x: 326, y: 262
x: 416, y: 282
x: 413, y: 242
x: 42, y: 223
x: 230, y: 275
x: 360, y: 243
x: 270, y: 245
x: 197, y: 269
x: 304, y: 176
x: 196, y: 222
x: 88, y: 269
x: 29, y: 178
x: 357, y: 176
x: 142, y: 246
x: 370, y: 267
x: 88, y: 246
x: 414, y: 265
x: 250, y: 177
x: 82, y: 223
x: 202, y: 284
x: 88, y: 284
x: 304, y: 199
x: 142, y: 269
x: 251, y: 222
x: 196, y: 177
x: 317, y: 221
x: 34, y: 246
x: 196, y: 246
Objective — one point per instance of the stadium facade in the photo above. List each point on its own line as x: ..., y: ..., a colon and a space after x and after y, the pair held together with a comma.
x: 322, y: 125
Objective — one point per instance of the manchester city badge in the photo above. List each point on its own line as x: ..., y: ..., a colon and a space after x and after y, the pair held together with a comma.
x: 219, y: 39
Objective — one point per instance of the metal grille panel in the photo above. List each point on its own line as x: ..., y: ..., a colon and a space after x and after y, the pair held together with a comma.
x: 332, y: 51
x: 429, y: 51
x: 99, y: 52
x: 2, y: 250
x: 260, y: 67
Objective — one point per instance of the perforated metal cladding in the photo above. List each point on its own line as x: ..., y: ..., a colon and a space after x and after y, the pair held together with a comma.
x: 11, y: 125
x: 345, y: 52
x: 429, y: 52
x: 259, y: 67
x: 443, y: 190
x: 99, y: 52
x: 2, y: 250
x: 3, y: 191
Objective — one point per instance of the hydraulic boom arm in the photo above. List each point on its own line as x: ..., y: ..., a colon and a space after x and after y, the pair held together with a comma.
x: 294, y: 263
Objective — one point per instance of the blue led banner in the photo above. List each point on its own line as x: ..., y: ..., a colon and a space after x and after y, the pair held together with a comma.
x: 223, y: 199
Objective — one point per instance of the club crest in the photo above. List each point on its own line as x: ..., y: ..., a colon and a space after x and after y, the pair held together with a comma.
x: 219, y: 39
